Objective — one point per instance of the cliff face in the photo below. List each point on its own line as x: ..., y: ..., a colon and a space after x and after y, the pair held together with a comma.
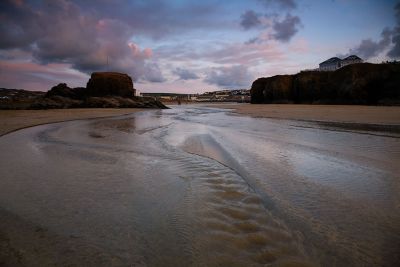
x: 354, y: 84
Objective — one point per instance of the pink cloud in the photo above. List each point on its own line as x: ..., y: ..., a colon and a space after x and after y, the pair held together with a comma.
x: 31, y: 76
x: 137, y: 53
x: 177, y: 86
x: 299, y: 45
x: 18, y: 2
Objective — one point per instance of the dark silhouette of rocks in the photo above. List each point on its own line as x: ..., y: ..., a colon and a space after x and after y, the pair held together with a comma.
x: 104, y: 90
x: 110, y: 83
x: 365, y: 83
x: 63, y: 90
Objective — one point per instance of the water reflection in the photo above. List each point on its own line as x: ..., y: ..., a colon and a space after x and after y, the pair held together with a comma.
x: 196, y: 186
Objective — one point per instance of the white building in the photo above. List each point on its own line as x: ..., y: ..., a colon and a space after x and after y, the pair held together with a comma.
x: 353, y: 59
x: 330, y: 65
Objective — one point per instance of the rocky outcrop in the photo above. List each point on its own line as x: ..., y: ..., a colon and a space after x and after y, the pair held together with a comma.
x: 105, y: 90
x: 63, y: 90
x: 110, y: 83
x: 354, y: 84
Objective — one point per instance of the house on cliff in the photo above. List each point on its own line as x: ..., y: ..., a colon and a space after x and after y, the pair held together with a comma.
x: 353, y: 59
x: 330, y: 65
x: 335, y: 63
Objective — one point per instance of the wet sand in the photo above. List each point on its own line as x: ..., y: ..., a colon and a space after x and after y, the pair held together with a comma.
x: 12, y: 120
x: 195, y: 186
x: 23, y: 243
x: 378, y: 115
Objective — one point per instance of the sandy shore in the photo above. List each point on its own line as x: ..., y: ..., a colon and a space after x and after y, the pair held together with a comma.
x: 23, y: 243
x: 12, y: 120
x: 379, y: 115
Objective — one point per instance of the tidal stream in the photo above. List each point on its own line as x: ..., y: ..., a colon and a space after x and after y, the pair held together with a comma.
x: 197, y: 186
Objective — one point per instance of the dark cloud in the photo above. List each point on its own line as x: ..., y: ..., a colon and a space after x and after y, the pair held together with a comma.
x: 19, y: 26
x: 249, y: 20
x: 59, y: 31
x: 369, y: 48
x: 252, y: 41
x: 158, y: 18
x: 390, y: 38
x: 284, y: 28
x: 395, y: 51
x: 229, y: 77
x: 287, y: 28
x: 152, y: 73
x: 285, y: 4
x: 185, y: 74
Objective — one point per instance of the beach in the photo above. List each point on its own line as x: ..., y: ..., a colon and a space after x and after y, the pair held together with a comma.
x: 12, y: 120
x: 379, y: 115
x: 215, y: 185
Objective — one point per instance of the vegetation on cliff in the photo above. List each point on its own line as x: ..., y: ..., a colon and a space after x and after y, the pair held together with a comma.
x: 365, y: 83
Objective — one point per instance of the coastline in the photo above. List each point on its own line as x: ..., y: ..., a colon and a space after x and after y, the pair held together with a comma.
x: 370, y: 118
x: 13, y: 120
x: 335, y: 114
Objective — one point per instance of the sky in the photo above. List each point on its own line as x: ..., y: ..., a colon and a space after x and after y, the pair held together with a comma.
x: 187, y: 46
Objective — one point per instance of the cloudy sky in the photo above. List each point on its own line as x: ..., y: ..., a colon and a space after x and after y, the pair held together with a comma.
x: 187, y: 46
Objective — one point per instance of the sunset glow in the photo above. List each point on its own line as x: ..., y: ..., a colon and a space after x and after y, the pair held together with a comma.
x: 187, y: 46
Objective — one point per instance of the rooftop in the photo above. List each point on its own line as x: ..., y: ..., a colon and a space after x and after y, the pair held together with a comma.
x: 331, y: 60
x: 352, y: 57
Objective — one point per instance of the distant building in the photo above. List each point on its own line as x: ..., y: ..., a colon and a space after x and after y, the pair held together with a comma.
x: 335, y: 63
x: 353, y: 59
x: 330, y: 64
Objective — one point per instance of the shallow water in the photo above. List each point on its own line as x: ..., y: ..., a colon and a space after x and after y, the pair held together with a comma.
x: 195, y: 186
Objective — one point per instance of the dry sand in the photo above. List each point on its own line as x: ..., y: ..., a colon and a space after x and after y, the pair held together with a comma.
x: 377, y: 115
x: 12, y: 120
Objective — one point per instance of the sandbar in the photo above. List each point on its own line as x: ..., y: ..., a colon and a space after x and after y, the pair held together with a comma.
x: 376, y: 115
x: 12, y: 120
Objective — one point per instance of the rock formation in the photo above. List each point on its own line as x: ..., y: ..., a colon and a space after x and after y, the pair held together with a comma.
x: 63, y: 90
x: 354, y: 84
x: 110, y: 83
x: 104, y: 90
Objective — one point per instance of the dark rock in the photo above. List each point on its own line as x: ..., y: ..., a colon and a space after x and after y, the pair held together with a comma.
x: 354, y: 84
x: 60, y: 89
x: 105, y: 90
x: 101, y: 102
x: 110, y: 83
x: 56, y: 102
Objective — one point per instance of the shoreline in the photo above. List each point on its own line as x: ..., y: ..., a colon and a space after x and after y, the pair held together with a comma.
x: 325, y: 114
x: 347, y: 117
x: 14, y: 120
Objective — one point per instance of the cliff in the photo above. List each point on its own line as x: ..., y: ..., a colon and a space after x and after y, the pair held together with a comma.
x: 365, y: 83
